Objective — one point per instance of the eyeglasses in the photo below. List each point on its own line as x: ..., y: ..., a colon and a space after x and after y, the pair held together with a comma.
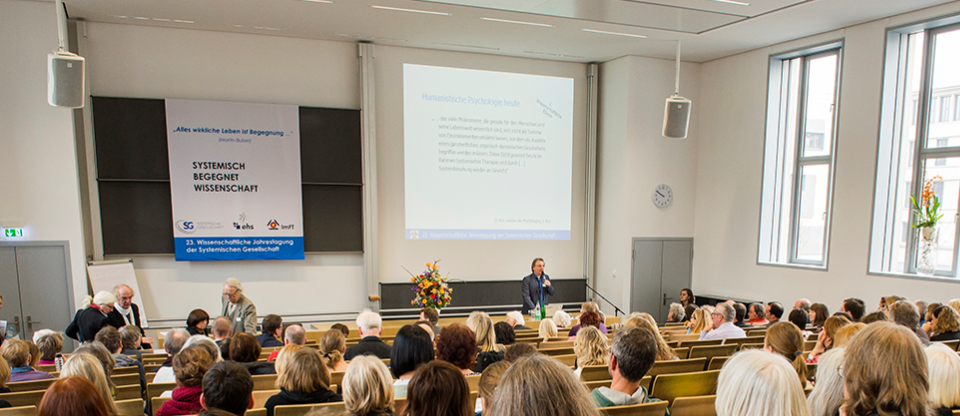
x: 225, y: 293
x: 840, y: 370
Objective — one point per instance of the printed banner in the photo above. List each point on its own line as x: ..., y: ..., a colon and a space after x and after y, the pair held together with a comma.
x: 235, y: 180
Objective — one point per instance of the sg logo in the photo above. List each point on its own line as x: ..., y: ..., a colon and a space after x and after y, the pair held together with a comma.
x: 186, y: 227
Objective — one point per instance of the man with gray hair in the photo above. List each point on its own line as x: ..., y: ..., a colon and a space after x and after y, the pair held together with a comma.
x: 633, y: 352
x: 240, y: 310
x: 676, y: 313
x: 172, y: 345
x: 802, y: 304
x: 723, y: 327
x: 370, y: 325
x: 125, y: 312
x: 515, y: 319
x: 905, y: 313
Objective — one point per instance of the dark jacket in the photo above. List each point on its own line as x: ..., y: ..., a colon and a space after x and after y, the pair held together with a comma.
x: 261, y: 367
x: 86, y: 323
x: 369, y: 345
x: 946, y: 336
x: 268, y: 341
x: 117, y: 321
x: 291, y: 397
x: 530, y: 291
x: 193, y: 331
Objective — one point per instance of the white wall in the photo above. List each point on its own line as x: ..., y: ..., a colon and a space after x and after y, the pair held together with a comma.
x: 634, y: 157
x: 38, y: 181
x: 151, y: 62
x: 729, y: 167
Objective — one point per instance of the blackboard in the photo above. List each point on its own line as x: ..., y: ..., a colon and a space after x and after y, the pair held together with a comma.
x: 133, y: 177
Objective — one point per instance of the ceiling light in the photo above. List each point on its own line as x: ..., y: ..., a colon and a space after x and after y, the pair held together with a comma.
x: 467, y: 46
x: 119, y: 17
x: 161, y: 20
x: 319, y: 1
x: 142, y: 18
x: 490, y: 19
x: 614, y: 33
x: 398, y: 9
x: 369, y: 37
x: 182, y: 21
x: 738, y: 3
x: 552, y: 54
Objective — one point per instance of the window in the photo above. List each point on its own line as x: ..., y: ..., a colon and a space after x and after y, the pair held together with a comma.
x: 799, y: 152
x: 919, y: 148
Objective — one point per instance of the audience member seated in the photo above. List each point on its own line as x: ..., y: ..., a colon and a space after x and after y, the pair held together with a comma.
x: 431, y: 315
x: 755, y: 314
x: 284, y: 357
x: 172, y: 344
x: 333, y: 345
x: 927, y: 325
x: 687, y: 298
x: 17, y: 355
x: 634, y: 351
x: 34, y: 354
x: 367, y: 388
x: 489, y: 350
x: 4, y: 377
x: 855, y: 307
x: 802, y: 304
x: 547, y: 330
x: 946, y: 324
x: 227, y: 386
x: 245, y: 350
x: 785, y: 339
x: 885, y: 370
x: 222, y: 329
x: 641, y: 320
x: 699, y: 321
x: 370, y: 326
x: 943, y: 369
x: 190, y: 365
x: 818, y: 315
x: 110, y: 338
x: 591, y: 348
x: 886, y: 302
x: 457, y: 345
x: 92, y: 317
x: 827, y: 396
x: 412, y: 348
x: 130, y: 338
x: 89, y: 367
x: 773, y: 312
x: 295, y: 334
x: 723, y: 326
x: 922, y: 309
x: 73, y: 396
x: 207, y: 344
x: 542, y: 386
x: 799, y: 318
x: 342, y: 328
x: 426, y: 326
x: 516, y: 321
x: 740, y: 320
x: 517, y: 351
x: 50, y: 344
x: 505, y: 333
x: 846, y: 333
x: 562, y: 319
x: 197, y: 322
x: 825, y: 339
x: 676, y: 313
x: 586, y: 319
x: 305, y: 380
x: 878, y: 316
x: 759, y: 383
x: 584, y: 308
x: 905, y: 313
x: 488, y: 385
x: 955, y: 304
x: 270, y: 338
x: 438, y: 388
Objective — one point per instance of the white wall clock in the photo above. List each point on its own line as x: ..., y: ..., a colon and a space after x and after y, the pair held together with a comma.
x: 662, y: 196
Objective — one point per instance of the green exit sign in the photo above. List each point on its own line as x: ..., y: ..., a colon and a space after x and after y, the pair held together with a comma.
x: 13, y: 232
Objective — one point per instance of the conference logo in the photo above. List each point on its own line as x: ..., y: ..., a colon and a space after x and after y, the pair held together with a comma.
x: 274, y: 225
x: 240, y: 224
x: 186, y: 227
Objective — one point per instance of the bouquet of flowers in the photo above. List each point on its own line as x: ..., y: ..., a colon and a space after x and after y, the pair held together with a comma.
x: 928, y: 214
x: 431, y: 290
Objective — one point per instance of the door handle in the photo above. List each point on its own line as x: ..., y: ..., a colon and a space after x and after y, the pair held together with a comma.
x: 664, y: 299
x: 30, y: 323
x: 16, y: 324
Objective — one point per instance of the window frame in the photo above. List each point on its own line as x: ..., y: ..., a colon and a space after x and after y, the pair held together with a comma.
x: 775, y: 163
x: 892, y: 118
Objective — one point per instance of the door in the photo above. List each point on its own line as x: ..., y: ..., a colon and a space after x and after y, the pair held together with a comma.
x: 661, y: 268
x: 37, y: 278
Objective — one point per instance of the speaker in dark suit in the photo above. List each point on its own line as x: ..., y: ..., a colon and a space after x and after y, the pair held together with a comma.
x: 535, y: 286
x: 125, y: 312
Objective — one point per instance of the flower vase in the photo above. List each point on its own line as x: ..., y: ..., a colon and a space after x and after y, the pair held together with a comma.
x: 927, y: 250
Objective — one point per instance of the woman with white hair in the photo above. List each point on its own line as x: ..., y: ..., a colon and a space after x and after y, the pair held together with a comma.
x: 759, y: 383
x: 943, y: 369
x: 562, y: 319
x: 547, y: 330
x: 827, y: 396
x: 89, y: 320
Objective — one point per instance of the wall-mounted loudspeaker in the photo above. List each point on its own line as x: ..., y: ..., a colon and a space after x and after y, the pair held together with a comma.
x: 676, y: 117
x: 65, y: 83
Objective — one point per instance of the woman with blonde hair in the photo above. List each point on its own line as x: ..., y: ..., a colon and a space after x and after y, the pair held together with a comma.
x: 943, y: 367
x: 4, y: 376
x: 548, y: 329
x: 50, y: 344
x: 562, y: 319
x: 664, y: 352
x: 946, y: 324
x: 825, y: 339
x: 785, y: 339
x: 481, y: 325
x: 827, y: 396
x: 885, y: 371
x: 955, y: 304
x: 332, y: 345
x: 368, y: 387
x: 845, y: 333
x: 759, y: 383
x: 305, y: 380
x: 487, y: 386
x: 699, y: 322
x: 284, y: 357
x: 539, y: 385
x: 591, y: 348
x: 89, y: 367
